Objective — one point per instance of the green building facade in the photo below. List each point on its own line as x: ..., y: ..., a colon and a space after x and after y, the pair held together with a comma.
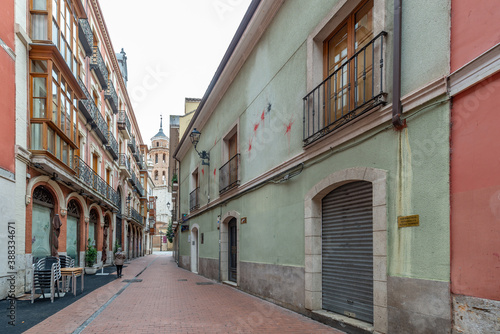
x: 299, y: 200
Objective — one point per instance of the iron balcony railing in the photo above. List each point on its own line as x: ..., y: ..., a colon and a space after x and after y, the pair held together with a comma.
x: 194, y: 202
x: 112, y: 145
x: 139, y: 187
x: 131, y: 144
x: 86, y: 36
x: 100, y: 127
x: 136, y: 155
x: 228, y: 174
x: 111, y: 96
x: 123, y: 121
x: 133, y: 179
x: 97, y: 64
x: 355, y: 87
x: 136, y: 216
x: 123, y: 161
x: 90, y: 178
x: 87, y: 106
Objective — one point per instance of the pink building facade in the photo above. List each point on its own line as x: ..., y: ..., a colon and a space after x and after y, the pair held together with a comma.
x: 474, y: 85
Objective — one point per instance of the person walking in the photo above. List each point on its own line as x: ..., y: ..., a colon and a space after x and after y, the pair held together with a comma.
x: 119, y: 258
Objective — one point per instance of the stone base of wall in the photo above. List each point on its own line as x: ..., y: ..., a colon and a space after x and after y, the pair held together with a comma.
x: 185, y: 262
x: 209, y: 268
x: 475, y: 315
x: 418, y: 306
x: 283, y: 285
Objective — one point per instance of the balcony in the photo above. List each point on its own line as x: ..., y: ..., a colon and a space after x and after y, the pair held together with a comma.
x: 97, y: 64
x: 228, y: 174
x: 87, y: 106
x: 124, y: 124
x: 133, y: 179
x: 136, y: 216
x: 111, y: 96
x: 139, y: 187
x: 112, y: 145
x: 194, y: 202
x: 85, y: 35
x: 94, y: 182
x: 101, y: 128
x: 124, y: 165
x: 131, y: 145
x: 355, y: 88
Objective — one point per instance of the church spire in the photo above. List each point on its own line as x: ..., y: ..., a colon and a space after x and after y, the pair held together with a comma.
x: 161, y: 121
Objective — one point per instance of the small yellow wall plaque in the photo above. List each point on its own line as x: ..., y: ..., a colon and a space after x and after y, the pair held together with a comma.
x: 243, y: 220
x: 408, y: 221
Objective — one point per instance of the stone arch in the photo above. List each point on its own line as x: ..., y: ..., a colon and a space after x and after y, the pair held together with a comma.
x: 195, y: 235
x: 52, y: 186
x: 313, y: 242
x: 99, y: 212
x: 81, y: 201
x: 224, y: 251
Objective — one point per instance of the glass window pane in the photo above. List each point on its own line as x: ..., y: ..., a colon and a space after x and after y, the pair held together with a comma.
x: 363, y: 28
x: 55, y: 34
x: 40, y: 4
x: 54, y: 9
x: 39, y: 66
x: 36, y: 136
x: 71, y: 158
x: 65, y: 152
x: 39, y: 87
x: 55, y: 95
x: 39, y: 27
x: 68, y: 119
x: 50, y: 140
x: 58, y: 147
x: 39, y: 108
x: 63, y: 112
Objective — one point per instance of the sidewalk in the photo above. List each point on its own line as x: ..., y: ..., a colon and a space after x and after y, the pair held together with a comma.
x: 167, y: 299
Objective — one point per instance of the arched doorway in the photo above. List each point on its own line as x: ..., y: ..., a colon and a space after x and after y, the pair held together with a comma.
x: 194, y: 248
x: 42, y: 215
x: 72, y: 231
x: 118, y: 227
x: 93, y: 221
x: 232, y: 242
x: 105, y: 240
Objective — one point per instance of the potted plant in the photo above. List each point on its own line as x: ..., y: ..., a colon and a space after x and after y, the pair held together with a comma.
x: 90, y: 258
x: 174, y: 180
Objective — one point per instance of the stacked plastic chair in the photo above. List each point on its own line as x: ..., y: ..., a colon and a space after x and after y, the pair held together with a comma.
x: 46, y: 275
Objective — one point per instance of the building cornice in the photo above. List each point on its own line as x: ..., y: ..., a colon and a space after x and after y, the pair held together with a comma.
x: 475, y: 71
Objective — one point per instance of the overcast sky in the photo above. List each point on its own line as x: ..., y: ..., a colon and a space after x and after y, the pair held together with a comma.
x: 173, y: 50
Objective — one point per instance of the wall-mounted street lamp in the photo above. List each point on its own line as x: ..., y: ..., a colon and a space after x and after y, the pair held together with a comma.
x: 204, y: 155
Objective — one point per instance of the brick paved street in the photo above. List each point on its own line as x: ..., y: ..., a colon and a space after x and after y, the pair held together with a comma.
x: 171, y: 300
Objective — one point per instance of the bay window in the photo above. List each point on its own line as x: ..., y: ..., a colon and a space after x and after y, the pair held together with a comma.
x: 53, y: 129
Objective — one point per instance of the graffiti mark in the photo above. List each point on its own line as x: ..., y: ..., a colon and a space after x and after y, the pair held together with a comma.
x: 263, y: 116
x: 288, y: 128
x: 255, y: 127
x: 203, y: 172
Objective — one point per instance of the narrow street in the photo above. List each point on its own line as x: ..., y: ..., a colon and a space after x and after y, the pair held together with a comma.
x: 155, y: 296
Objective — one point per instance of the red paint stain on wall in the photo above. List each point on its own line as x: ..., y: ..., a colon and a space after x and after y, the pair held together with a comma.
x: 262, y: 116
x: 202, y: 172
x: 255, y: 127
x: 288, y: 127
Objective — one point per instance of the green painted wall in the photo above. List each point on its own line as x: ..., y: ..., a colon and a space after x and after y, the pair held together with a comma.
x: 275, y: 74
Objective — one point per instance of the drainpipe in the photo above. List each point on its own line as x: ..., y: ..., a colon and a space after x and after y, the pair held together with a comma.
x: 398, y: 123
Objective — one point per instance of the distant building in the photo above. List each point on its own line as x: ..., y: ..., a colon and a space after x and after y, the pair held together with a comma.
x: 159, y: 155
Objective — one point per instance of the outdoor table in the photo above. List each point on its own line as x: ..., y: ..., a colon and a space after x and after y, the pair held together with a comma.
x: 74, y: 273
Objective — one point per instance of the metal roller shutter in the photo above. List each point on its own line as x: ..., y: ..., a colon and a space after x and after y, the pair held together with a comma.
x: 347, y: 251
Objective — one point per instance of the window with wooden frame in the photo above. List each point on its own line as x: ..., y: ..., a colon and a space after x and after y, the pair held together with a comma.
x: 108, y: 176
x: 229, y: 172
x: 95, y: 163
x: 351, y: 72
x: 53, y: 111
x: 352, y: 81
x: 61, y: 30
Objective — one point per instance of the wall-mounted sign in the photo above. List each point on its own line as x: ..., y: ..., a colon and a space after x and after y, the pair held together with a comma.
x: 243, y: 220
x: 152, y: 231
x: 408, y: 221
x: 184, y: 228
